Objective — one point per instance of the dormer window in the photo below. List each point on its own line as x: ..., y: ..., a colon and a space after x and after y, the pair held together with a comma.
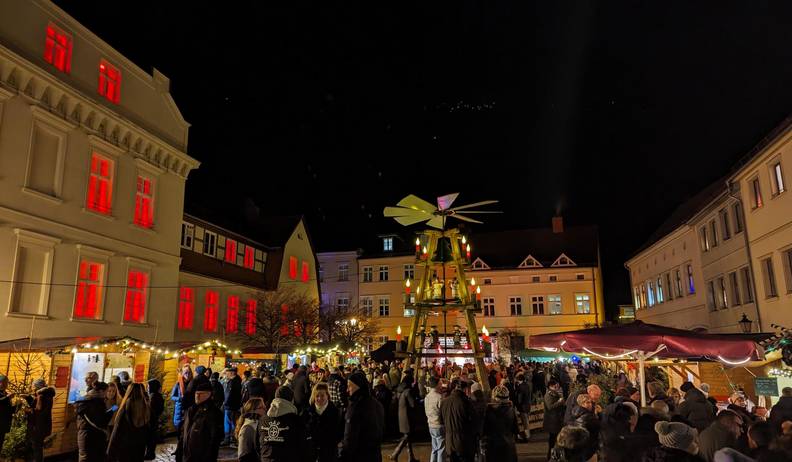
x: 109, y: 82
x: 387, y: 244
x: 58, y: 48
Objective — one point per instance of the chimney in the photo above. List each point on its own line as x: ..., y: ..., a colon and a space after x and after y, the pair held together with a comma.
x: 558, y: 225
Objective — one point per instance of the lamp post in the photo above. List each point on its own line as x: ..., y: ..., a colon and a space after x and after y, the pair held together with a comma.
x: 745, y: 324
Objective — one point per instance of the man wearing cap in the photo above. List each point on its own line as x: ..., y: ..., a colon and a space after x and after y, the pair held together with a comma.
x: 459, y: 419
x: 695, y: 409
x: 232, y: 389
x: 435, y: 420
x: 203, y: 426
x: 6, y: 409
x: 282, y: 432
x: 364, y: 422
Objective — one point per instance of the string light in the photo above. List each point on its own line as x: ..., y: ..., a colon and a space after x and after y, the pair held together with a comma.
x: 607, y: 356
x: 734, y: 363
x: 781, y: 372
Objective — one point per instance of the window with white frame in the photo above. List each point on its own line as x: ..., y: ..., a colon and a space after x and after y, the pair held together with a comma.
x: 650, y: 290
x: 660, y: 294
x: 535, y: 279
x: 515, y: 306
x: 747, y: 286
x: 488, y: 306
x: 669, y: 287
x: 387, y: 244
x: 46, y: 159
x: 210, y: 243
x: 756, y: 193
x: 705, y: 243
x: 384, y: 306
x: 723, y: 214
x: 537, y: 304
x: 367, y: 305
x: 786, y: 256
x: 723, y: 297
x: 409, y: 271
x: 637, y: 297
x: 368, y: 274
x: 711, y: 297
x: 738, y: 218
x: 144, y: 201
x: 187, y: 235
x: 768, y: 275
x: 91, y: 278
x: 583, y: 303
x: 554, y: 303
x: 735, y: 289
x: 778, y: 178
x: 343, y: 272
x: 342, y: 302
x: 32, y: 273
x: 678, y: 276
x: 383, y: 273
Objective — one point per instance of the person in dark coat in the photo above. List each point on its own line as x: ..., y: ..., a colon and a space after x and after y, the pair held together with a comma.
x: 725, y: 432
x: 523, y: 392
x: 586, y: 417
x: 594, y: 392
x: 39, y: 422
x: 124, y: 383
x: 571, y: 446
x: 92, y: 420
x: 657, y: 392
x: 130, y: 427
x: 302, y: 389
x: 460, y: 423
x: 782, y: 410
x: 324, y: 425
x: 232, y: 402
x: 738, y: 406
x: 500, y: 428
x: 218, y: 394
x: 6, y: 409
x: 203, y: 426
x: 554, y: 408
x: 282, y: 431
x: 197, y: 381
x: 677, y: 444
x: 338, y: 390
x: 695, y: 409
x: 156, y: 408
x: 364, y: 423
x: 620, y: 442
x: 407, y: 403
x: 383, y: 394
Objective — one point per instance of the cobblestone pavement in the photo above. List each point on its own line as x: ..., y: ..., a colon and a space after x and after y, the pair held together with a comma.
x: 533, y: 451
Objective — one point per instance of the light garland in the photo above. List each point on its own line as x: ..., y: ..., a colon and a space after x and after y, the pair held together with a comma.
x: 333, y: 350
x: 607, y: 356
x: 127, y: 343
x: 733, y: 363
x: 781, y: 372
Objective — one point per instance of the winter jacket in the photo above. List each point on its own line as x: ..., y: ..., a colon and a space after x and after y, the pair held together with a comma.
x: 668, y: 400
x: 40, y: 420
x: 394, y: 374
x: 384, y: 395
x: 189, y: 391
x: 127, y: 442
x: 156, y: 408
x: 203, y: 432
x: 500, y: 430
x: 696, y: 409
x: 92, y: 420
x: 6, y: 412
x: 781, y: 411
x: 524, y: 393
x: 178, y: 405
x: 618, y: 444
x: 337, y: 388
x: 232, y: 393
x: 302, y: 390
x: 326, y: 432
x: 666, y: 454
x: 282, y: 434
x: 407, y: 401
x: 248, y: 443
x: 588, y: 420
x: 713, y: 438
x: 363, y: 429
x: 747, y: 418
x: 554, y: 408
x: 432, y: 409
x: 571, y: 407
x: 460, y: 425
x: 218, y: 395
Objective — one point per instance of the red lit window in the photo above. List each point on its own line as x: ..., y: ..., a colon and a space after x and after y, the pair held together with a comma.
x: 230, y: 251
x: 284, y: 328
x: 250, y: 322
x: 137, y: 288
x: 249, y: 252
x: 211, y: 311
x: 186, y: 307
x: 297, y: 329
x: 293, y: 267
x: 305, y: 271
x: 100, y: 184
x: 232, y: 315
x: 144, y: 202
x: 87, y: 299
x: 109, y: 82
x: 58, y: 48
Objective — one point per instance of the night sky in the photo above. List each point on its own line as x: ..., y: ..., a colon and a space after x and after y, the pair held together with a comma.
x: 609, y: 113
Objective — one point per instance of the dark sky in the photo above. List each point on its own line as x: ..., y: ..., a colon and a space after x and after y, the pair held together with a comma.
x: 610, y: 113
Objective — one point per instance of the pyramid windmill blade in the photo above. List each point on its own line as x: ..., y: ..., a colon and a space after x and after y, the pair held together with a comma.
x: 444, y: 202
x: 468, y: 212
x: 464, y: 218
x: 408, y: 220
x: 403, y: 212
x: 475, y: 204
x: 416, y: 203
x: 437, y: 222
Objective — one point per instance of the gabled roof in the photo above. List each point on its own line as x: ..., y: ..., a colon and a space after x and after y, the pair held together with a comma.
x: 563, y: 260
x: 507, y: 249
x: 530, y: 262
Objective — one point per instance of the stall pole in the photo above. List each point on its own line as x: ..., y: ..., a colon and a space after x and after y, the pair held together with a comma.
x: 642, y: 376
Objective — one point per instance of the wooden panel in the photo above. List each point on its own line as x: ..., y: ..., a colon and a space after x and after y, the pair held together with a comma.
x: 64, y: 425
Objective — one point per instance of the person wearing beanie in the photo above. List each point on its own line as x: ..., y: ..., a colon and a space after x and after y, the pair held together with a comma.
x: 203, y: 426
x: 364, y: 423
x: 282, y: 434
x: 695, y: 409
x: 189, y: 395
x: 459, y: 417
x: 500, y: 428
x: 39, y: 422
x: 677, y: 443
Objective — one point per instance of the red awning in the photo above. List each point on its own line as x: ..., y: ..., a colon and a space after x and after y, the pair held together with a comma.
x: 648, y: 338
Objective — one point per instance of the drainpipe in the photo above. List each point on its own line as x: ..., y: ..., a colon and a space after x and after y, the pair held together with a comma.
x: 730, y: 189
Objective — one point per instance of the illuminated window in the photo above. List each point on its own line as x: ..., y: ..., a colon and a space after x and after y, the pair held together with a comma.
x: 100, y: 185
x: 144, y: 202
x: 211, y: 311
x: 488, y: 305
x: 293, y: 268
x: 756, y: 193
x: 89, y: 286
x: 637, y: 297
x: 109, y: 82
x: 136, y: 296
x: 186, y: 308
x: 555, y: 304
x: 230, y: 251
x: 691, y: 285
x: 778, y: 179
x: 249, y: 260
x: 232, y: 315
x: 583, y: 303
x: 650, y: 290
x: 306, y: 271
x: 387, y: 244
x: 58, y: 48
x: 660, y: 297
x: 250, y: 320
x: 187, y: 236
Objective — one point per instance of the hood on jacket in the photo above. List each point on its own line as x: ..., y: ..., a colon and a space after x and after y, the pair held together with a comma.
x: 280, y: 407
x: 154, y: 386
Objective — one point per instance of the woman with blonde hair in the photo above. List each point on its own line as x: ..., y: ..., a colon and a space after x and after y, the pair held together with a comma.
x: 130, y: 426
x: 324, y: 425
x: 247, y: 430
x: 113, y: 397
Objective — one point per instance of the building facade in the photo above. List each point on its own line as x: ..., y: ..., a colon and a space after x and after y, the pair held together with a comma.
x: 93, y: 161
x: 338, y: 275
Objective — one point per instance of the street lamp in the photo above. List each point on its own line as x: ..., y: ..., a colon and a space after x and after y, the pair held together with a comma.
x: 745, y: 324
x: 353, y: 322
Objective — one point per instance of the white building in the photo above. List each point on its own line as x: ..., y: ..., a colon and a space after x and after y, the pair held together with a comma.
x: 92, y: 175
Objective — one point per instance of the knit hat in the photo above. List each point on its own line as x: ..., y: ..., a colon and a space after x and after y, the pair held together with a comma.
x: 705, y: 387
x: 685, y: 387
x: 675, y: 434
x: 39, y: 383
x: 358, y: 379
x: 285, y: 393
x: 200, y: 370
x: 500, y: 393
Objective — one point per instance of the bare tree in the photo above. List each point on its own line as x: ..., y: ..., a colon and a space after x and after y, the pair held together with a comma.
x: 274, y: 320
x: 350, y: 324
